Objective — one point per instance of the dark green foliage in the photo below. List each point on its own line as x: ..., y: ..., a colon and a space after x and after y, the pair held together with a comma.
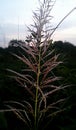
x: 10, y: 90
x: 3, y: 121
x: 68, y: 71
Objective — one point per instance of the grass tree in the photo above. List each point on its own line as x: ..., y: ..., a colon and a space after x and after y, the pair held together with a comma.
x: 41, y: 85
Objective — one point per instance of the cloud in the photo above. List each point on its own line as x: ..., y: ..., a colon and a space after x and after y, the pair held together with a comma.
x: 11, y: 31
x: 68, y: 34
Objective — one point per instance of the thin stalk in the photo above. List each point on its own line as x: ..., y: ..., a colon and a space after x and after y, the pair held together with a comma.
x: 36, y: 99
x: 62, y: 20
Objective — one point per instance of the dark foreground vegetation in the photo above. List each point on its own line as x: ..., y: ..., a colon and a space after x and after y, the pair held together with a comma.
x: 11, y: 90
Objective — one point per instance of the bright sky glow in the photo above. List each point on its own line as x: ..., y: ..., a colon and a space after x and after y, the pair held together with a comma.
x: 14, y: 13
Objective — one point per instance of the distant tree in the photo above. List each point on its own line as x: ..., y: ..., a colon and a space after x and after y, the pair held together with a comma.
x: 16, y: 43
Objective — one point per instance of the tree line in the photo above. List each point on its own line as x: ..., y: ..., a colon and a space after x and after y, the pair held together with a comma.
x: 10, y: 90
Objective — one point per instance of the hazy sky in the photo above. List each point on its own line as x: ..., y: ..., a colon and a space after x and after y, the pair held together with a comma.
x: 19, y: 12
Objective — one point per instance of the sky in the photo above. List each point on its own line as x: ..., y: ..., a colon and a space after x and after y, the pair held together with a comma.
x: 15, y: 15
